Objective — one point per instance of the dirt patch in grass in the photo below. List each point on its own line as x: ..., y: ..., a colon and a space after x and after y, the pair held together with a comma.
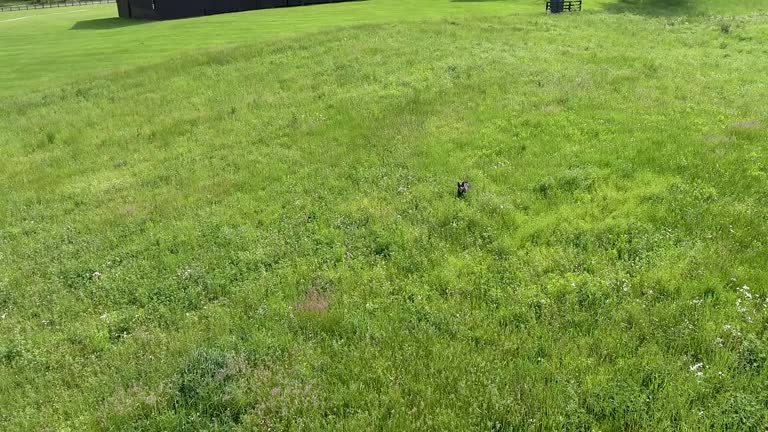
x: 746, y: 125
x: 717, y: 139
x: 314, y: 301
x: 552, y: 109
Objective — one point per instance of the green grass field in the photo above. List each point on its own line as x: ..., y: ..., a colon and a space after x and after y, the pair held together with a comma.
x: 249, y: 221
x: 54, y: 46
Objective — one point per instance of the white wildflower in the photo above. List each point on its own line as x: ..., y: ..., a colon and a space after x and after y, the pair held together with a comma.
x: 732, y: 330
x: 739, y: 307
x: 697, y: 301
x: 624, y: 284
x: 744, y: 291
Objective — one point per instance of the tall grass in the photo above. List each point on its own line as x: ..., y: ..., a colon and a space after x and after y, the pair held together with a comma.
x: 267, y: 237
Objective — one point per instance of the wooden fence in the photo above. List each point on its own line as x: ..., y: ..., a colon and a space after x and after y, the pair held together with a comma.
x: 52, y: 5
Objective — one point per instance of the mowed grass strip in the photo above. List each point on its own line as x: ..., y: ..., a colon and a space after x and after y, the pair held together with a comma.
x: 44, y: 48
x: 53, y: 46
x: 267, y: 237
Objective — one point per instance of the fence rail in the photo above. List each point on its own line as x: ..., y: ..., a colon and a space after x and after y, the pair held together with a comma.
x: 557, y: 6
x: 52, y: 5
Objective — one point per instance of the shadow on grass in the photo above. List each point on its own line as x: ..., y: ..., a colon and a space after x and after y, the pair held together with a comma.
x: 652, y: 7
x: 107, y: 23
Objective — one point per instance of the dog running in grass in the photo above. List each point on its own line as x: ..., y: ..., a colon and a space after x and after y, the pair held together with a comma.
x: 463, y: 189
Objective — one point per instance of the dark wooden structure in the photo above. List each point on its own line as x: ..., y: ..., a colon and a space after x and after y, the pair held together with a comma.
x: 173, y: 9
x: 557, y: 6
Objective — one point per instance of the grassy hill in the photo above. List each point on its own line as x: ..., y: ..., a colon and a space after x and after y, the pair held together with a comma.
x: 58, y: 45
x: 265, y: 236
x: 54, y: 46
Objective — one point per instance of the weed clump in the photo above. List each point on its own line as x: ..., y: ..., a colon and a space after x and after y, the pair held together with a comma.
x: 204, y: 386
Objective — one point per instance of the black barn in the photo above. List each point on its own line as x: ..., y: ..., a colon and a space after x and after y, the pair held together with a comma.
x: 172, y: 9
